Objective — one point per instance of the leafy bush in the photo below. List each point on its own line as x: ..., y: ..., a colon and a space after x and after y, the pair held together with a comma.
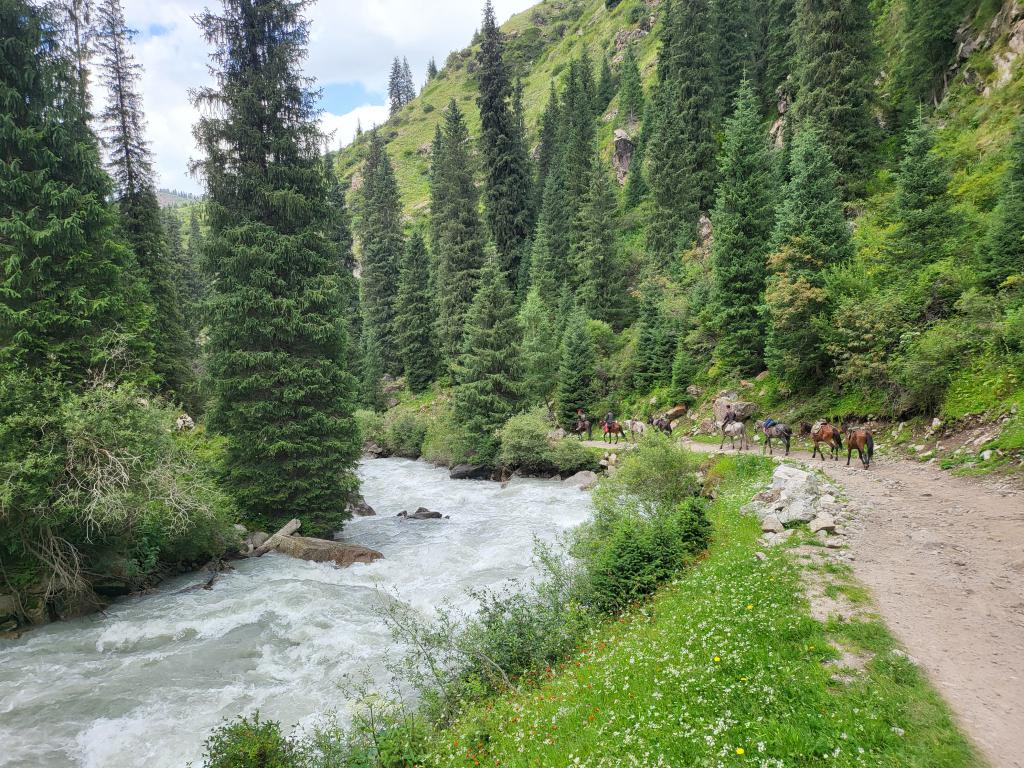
x: 370, y: 425
x: 524, y: 442
x: 570, y: 456
x: 403, y: 435
x: 249, y: 743
x: 927, y: 365
x: 445, y: 442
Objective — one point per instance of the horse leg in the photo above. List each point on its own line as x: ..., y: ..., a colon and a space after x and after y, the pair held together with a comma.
x: 786, y: 438
x: 849, y: 452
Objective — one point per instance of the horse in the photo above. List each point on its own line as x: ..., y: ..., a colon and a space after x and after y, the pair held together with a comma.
x: 660, y: 423
x: 823, y: 432
x: 779, y: 431
x: 732, y: 430
x: 635, y: 426
x: 863, y: 442
x: 583, y: 426
x: 613, y: 428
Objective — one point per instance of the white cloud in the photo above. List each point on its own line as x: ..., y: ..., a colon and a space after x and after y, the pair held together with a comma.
x: 343, y: 127
x: 350, y: 41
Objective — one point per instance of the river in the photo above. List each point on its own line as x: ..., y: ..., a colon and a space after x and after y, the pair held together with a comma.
x: 144, y: 683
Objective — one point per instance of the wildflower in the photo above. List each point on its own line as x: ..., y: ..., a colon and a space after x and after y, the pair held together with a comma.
x: 740, y: 750
x: 717, y: 659
x: 750, y: 606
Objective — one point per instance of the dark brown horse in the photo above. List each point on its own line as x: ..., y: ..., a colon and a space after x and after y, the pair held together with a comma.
x: 583, y: 427
x: 863, y: 442
x: 613, y: 428
x: 823, y: 432
x: 660, y: 423
x: 779, y: 431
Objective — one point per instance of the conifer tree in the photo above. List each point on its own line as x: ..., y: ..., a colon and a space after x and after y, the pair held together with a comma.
x: 408, y: 84
x: 812, y: 208
x: 734, y: 23
x: 371, y: 393
x: 833, y: 77
x: 685, y: 367
x: 130, y: 163
x: 1002, y: 252
x: 680, y: 149
x: 75, y: 18
x: 278, y: 343
x: 69, y: 301
x: 193, y: 288
x: 777, y: 58
x: 926, y: 224
x: 655, y: 344
x: 742, y: 222
x: 631, y: 90
x: 415, y: 316
x: 545, y: 267
x: 380, y: 233
x: 605, y: 87
x: 341, y: 238
x: 488, y: 378
x: 508, y: 195
x: 431, y: 69
x: 547, y: 152
x: 540, y: 354
x: 186, y: 271
x: 600, y: 279
x: 577, y: 369
x: 457, y: 232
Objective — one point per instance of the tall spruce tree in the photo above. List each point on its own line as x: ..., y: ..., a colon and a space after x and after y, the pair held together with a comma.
x: 577, y: 369
x: 1002, y: 251
x: 547, y: 151
x: 130, y: 162
x: 680, y: 150
x: 380, y: 233
x: 415, y: 316
x: 735, y: 25
x: 408, y: 84
x: 833, y: 77
x: 631, y: 90
x: 599, y: 276
x: 277, y: 343
x: 431, y: 69
x: 457, y: 232
x: 396, y: 87
x: 185, y: 271
x: 742, y: 223
x: 193, y: 288
x: 508, y: 197
x: 655, y: 344
x: 606, y: 87
x: 341, y: 237
x: 488, y: 378
x: 777, y: 57
x: 540, y: 355
x: 70, y: 304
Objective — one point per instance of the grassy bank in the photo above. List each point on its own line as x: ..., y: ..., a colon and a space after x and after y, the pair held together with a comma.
x: 725, y: 666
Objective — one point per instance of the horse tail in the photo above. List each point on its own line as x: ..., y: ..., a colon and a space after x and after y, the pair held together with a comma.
x: 871, y: 446
x: 839, y: 439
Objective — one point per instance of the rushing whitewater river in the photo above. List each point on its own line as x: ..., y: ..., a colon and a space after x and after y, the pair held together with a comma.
x: 143, y: 684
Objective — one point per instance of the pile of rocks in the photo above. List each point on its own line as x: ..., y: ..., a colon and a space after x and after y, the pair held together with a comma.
x: 797, y: 497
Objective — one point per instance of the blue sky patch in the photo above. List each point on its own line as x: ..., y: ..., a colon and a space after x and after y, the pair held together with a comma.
x: 340, y: 98
x: 157, y: 30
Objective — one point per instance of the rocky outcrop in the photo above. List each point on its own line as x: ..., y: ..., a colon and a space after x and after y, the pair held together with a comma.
x: 422, y: 513
x: 358, y: 507
x: 675, y: 412
x: 323, y: 551
x: 796, y: 497
x: 741, y: 408
x: 1008, y: 23
x: 622, y: 156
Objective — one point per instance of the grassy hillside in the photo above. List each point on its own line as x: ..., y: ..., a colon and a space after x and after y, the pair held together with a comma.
x: 541, y: 43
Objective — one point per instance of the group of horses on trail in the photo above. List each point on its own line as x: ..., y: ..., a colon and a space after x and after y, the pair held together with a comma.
x: 613, y: 429
x: 821, y: 434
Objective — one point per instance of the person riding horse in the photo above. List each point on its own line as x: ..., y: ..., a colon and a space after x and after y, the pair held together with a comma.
x: 730, y: 415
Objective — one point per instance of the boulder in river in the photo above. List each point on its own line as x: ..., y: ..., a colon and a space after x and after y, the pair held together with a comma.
x: 422, y: 513
x: 469, y: 472
x: 322, y: 551
x: 359, y: 508
x: 584, y: 480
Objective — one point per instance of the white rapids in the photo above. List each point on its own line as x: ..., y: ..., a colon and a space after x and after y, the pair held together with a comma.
x: 145, y: 683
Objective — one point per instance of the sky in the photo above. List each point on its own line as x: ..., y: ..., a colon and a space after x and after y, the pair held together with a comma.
x: 351, y: 47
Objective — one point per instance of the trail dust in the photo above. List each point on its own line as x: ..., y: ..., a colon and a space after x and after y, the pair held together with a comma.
x: 944, y: 559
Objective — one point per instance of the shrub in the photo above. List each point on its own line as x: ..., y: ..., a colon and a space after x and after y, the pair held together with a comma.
x: 926, y: 367
x: 524, y: 442
x: 249, y: 743
x: 570, y: 456
x: 403, y: 434
x: 445, y: 442
x: 370, y: 425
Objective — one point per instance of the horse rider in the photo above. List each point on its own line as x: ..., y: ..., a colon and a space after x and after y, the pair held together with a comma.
x: 609, y: 419
x: 730, y: 415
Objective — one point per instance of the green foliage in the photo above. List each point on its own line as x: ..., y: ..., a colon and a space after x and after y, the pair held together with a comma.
x: 1002, y: 253
x: 415, y: 315
x: 457, y: 236
x: 741, y: 221
x: 524, y: 442
x: 775, y: 62
x: 403, y: 435
x: 680, y: 149
x: 576, y: 369
x: 540, y: 351
x: 928, y: 364
x: 631, y: 90
x: 833, y: 78
x: 569, y: 456
x: 249, y: 743
x: 380, y: 233
x: 278, y: 341
x: 685, y: 368
x: 488, y: 377
x: 508, y: 196
x: 655, y: 343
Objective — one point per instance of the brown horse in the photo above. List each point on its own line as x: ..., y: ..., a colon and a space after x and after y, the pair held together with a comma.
x: 862, y: 441
x: 661, y: 424
x: 823, y: 432
x: 583, y: 426
x: 613, y: 428
x: 782, y: 432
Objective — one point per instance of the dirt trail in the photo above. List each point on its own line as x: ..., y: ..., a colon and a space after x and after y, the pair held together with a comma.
x: 944, y: 559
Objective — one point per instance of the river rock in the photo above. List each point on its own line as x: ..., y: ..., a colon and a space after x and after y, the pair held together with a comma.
x: 359, y: 508
x: 469, y: 472
x: 422, y: 513
x: 322, y: 551
x: 584, y: 480
x: 772, y: 524
x: 794, y: 497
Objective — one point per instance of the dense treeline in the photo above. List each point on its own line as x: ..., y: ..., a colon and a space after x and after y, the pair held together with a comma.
x: 731, y: 249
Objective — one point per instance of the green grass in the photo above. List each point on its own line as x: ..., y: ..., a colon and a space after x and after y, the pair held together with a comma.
x: 724, y: 667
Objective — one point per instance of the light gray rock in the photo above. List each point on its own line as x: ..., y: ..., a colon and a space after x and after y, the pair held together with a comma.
x: 772, y: 524
x: 584, y: 480
x: 823, y: 522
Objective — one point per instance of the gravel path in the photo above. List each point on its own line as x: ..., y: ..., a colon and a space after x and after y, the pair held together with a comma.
x: 944, y: 559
